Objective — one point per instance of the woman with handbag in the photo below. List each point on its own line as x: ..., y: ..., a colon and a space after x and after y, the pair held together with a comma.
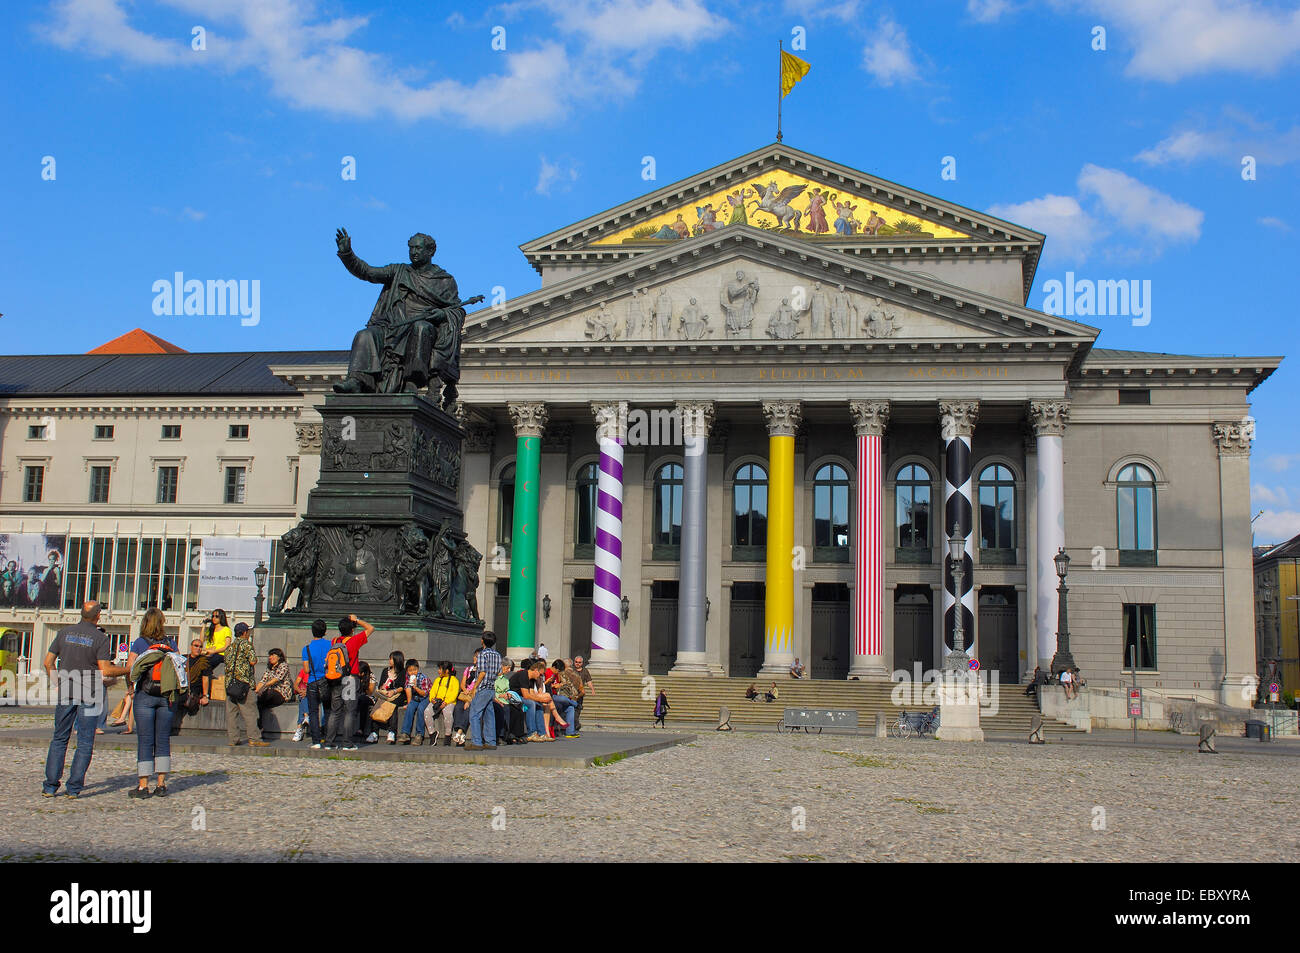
x: 442, y: 703
x: 156, y: 695
x: 390, y: 695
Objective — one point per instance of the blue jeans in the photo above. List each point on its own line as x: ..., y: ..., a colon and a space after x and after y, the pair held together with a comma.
x: 153, y: 726
x: 534, y: 719
x: 482, y: 717
x: 415, y: 716
x: 566, y: 707
x: 65, y: 716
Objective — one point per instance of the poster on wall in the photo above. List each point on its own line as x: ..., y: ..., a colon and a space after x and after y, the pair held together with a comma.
x: 226, y: 565
x: 31, y: 570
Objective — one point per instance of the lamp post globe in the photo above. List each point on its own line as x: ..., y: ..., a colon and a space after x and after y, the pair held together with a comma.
x: 958, y: 660
x: 259, y: 576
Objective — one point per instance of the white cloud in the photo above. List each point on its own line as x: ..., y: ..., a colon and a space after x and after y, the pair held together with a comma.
x: 888, y: 56
x: 1108, y: 202
x: 1140, y: 207
x: 1186, y: 146
x: 1174, y: 39
x: 1276, y: 526
x: 845, y: 10
x: 1070, y: 230
x: 553, y: 174
x: 313, y: 61
x: 193, y: 214
x: 987, y: 11
x: 1277, y: 496
x: 1236, y: 135
x: 1271, y: 221
x: 641, y: 25
x: 1280, y: 462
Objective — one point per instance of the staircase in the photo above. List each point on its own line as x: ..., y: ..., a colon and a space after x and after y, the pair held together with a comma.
x: 695, y: 700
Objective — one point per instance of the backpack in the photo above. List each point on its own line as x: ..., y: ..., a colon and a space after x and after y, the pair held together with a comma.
x: 337, y: 663
x: 151, y: 684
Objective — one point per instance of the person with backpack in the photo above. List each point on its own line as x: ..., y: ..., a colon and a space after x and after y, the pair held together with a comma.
x: 341, y: 666
x: 313, y: 667
x: 241, y: 701
x: 156, y: 670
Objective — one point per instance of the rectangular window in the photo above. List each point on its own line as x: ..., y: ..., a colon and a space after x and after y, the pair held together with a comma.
x: 1140, y: 635
x: 103, y: 431
x: 36, y: 431
x: 33, y: 484
x: 99, y: 480
x: 1134, y: 396
x: 168, y: 480
x: 236, y: 478
x: 171, y: 431
x: 123, y: 575
x: 239, y: 431
x: 75, y: 566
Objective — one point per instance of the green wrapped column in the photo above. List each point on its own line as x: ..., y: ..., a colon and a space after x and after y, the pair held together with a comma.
x: 529, y: 421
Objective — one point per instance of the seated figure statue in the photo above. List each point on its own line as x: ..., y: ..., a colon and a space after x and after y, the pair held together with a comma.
x: 413, y: 336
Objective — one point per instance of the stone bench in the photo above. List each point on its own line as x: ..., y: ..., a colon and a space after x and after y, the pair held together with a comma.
x: 809, y: 718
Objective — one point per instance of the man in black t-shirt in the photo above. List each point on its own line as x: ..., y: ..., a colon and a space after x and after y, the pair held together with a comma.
x: 83, y: 654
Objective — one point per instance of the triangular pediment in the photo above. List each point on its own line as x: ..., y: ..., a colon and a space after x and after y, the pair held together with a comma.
x: 785, y: 190
x: 749, y: 285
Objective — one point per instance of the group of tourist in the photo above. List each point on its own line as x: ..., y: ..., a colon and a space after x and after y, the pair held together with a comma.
x: 1069, y: 679
x: 339, y: 699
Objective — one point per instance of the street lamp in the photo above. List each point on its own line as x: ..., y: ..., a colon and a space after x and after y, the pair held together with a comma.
x: 546, y: 607
x: 626, y: 605
x: 259, y: 576
x: 957, y: 660
x: 1062, y: 660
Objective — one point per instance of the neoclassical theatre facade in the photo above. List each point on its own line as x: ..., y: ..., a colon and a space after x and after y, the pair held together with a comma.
x: 743, y: 415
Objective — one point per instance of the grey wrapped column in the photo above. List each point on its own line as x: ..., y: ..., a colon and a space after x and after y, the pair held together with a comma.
x: 697, y: 419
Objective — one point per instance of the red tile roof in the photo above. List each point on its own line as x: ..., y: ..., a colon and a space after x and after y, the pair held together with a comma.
x: 138, y: 342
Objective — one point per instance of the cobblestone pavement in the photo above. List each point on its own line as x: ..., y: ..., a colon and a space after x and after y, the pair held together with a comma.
x: 740, y: 796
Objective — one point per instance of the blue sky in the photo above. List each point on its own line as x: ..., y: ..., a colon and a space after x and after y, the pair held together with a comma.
x: 225, y: 162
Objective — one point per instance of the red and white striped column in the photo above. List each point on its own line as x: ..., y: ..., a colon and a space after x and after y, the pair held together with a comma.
x: 869, y: 420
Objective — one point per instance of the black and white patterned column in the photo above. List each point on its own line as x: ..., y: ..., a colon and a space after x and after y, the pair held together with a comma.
x: 957, y: 423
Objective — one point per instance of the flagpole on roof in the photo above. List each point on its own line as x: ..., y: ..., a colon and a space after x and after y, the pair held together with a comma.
x: 780, y: 45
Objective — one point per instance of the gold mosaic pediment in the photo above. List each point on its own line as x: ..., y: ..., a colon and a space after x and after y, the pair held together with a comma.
x: 781, y: 201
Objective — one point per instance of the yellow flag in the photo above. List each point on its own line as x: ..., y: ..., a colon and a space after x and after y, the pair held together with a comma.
x: 793, y: 69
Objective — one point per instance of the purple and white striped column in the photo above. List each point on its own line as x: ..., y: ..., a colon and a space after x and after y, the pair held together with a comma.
x: 607, y: 582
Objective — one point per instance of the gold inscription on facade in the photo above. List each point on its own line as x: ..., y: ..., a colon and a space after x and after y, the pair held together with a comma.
x: 957, y: 373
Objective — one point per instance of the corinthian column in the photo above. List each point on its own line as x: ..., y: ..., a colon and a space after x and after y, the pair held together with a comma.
x: 783, y: 418
x: 607, y: 575
x: 869, y: 420
x: 697, y: 419
x: 529, y: 420
x: 1048, y: 419
x: 957, y: 424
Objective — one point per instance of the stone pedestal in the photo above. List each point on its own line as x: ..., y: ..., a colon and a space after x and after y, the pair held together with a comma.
x: 691, y: 663
x: 959, y: 710
x: 385, y: 527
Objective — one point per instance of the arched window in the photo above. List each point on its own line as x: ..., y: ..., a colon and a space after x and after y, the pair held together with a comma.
x: 668, y: 505
x: 749, y: 512
x: 997, y: 511
x: 831, y: 511
x: 506, y: 507
x: 1135, y: 500
x: 584, y: 505
x: 912, y: 510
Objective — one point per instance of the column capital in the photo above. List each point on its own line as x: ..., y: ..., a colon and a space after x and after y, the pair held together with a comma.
x: 529, y: 419
x: 697, y: 417
x: 957, y: 417
x: 611, y: 419
x: 1048, y: 418
x: 870, y: 417
x: 1233, y: 437
x: 783, y: 417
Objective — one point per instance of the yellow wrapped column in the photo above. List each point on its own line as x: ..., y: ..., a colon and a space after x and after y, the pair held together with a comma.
x: 783, y: 418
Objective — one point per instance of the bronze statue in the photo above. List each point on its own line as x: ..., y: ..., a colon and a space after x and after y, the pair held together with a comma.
x: 412, y: 568
x: 413, y: 336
